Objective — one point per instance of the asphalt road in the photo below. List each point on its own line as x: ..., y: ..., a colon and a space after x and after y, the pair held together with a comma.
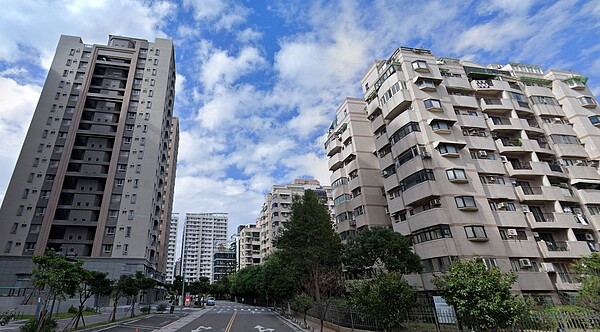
x: 234, y: 317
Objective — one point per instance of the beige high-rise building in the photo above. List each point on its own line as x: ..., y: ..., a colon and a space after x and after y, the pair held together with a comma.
x: 172, y: 258
x: 356, y: 183
x: 202, y: 234
x: 497, y: 161
x: 277, y: 208
x: 248, y: 246
x: 95, y: 175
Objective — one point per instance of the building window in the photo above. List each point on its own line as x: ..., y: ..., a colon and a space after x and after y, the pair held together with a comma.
x: 475, y: 232
x: 113, y: 214
x: 403, y: 131
x: 587, y: 101
x: 140, y: 154
x: 431, y: 233
x: 489, y: 263
x: 110, y: 230
x: 14, y: 228
x: 416, y: 178
x: 544, y: 100
x: 448, y: 149
x: 152, y: 82
x: 420, y: 65
x: 128, y: 231
x: 465, y: 202
x: 441, y: 126
x: 125, y: 249
x: 8, y: 247
x: 456, y: 175
x: 133, y: 198
x: 432, y: 104
x: 138, y: 168
x: 130, y: 214
x: 150, y: 93
x: 107, y: 248
x: 135, y: 183
x: 25, y: 193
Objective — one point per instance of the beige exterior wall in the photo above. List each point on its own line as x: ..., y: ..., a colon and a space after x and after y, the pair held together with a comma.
x: 248, y: 246
x: 202, y: 232
x: 509, y: 153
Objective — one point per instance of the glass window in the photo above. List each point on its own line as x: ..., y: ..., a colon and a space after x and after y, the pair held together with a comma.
x: 440, y: 125
x: 475, y: 232
x: 465, y: 202
x: 456, y: 174
x: 447, y: 148
x: 420, y: 65
x: 432, y: 103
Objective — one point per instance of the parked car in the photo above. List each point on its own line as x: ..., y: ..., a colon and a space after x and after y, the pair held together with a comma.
x: 210, y: 301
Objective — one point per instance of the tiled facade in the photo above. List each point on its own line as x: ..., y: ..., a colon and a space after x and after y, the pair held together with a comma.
x: 94, y: 176
x: 498, y: 162
x: 170, y: 271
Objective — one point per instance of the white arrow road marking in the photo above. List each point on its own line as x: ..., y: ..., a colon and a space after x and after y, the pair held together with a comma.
x: 202, y: 328
x: 263, y: 329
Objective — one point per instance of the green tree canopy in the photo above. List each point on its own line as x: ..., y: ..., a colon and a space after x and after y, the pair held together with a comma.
x: 248, y: 282
x: 93, y: 283
x: 480, y: 296
x: 377, y: 246
x: 200, y: 286
x: 126, y: 285
x: 385, y: 299
x: 312, y: 247
x: 280, y: 279
x: 588, y: 273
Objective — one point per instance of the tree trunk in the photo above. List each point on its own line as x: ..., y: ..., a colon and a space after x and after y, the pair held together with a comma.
x: 114, y: 312
x: 132, y: 306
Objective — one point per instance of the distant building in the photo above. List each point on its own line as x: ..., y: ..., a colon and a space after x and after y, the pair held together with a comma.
x: 248, y: 246
x: 276, y: 210
x: 171, y: 271
x: 201, y: 233
x: 224, y: 259
x: 95, y: 175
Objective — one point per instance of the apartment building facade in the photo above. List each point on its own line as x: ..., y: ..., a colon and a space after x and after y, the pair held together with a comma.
x: 94, y: 176
x: 224, y: 260
x: 356, y: 183
x: 277, y: 208
x: 248, y: 246
x: 170, y: 268
x: 495, y: 161
x: 202, y: 232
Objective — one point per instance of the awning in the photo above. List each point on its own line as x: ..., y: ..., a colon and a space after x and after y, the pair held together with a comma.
x: 592, y: 181
x: 429, y: 121
x: 460, y: 145
x: 421, y: 77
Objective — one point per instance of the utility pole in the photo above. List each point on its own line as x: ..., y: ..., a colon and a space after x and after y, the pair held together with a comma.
x: 183, y: 269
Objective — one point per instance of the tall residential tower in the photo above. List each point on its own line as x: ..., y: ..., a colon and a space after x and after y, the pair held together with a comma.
x: 202, y: 235
x: 95, y: 175
x: 497, y: 161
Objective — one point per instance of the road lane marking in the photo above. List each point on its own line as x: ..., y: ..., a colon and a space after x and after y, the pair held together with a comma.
x: 230, y: 324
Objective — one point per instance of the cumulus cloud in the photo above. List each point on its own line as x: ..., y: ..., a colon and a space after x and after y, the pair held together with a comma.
x: 220, y: 14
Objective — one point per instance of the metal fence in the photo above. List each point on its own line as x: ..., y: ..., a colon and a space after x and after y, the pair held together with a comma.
x: 426, y: 319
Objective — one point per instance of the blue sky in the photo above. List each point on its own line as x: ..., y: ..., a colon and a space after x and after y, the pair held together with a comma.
x: 258, y: 81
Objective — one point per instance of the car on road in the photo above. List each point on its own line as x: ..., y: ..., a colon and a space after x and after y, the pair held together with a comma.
x: 210, y: 301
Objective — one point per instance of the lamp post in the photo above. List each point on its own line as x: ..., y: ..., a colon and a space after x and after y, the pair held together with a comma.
x: 183, y: 270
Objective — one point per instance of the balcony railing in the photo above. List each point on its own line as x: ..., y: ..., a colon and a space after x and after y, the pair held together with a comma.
x: 500, y: 121
x: 544, y: 217
x: 489, y: 101
x: 557, y: 246
x: 521, y: 165
x: 511, y: 142
x: 532, y: 190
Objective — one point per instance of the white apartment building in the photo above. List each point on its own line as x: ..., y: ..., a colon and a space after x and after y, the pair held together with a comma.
x: 276, y: 210
x: 497, y: 161
x: 202, y: 231
x: 170, y: 271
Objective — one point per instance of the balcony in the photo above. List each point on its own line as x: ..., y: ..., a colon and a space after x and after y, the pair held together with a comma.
x: 513, y: 219
x: 420, y: 192
x: 558, y: 128
x: 551, y: 220
x: 526, y: 168
x: 464, y: 101
x: 377, y: 122
x: 571, y: 150
x: 544, y: 193
x: 583, y: 173
x: 335, y: 162
x: 495, y: 166
x: 564, y: 249
x: 492, y: 104
x: 514, y: 145
x: 333, y: 145
x: 499, y: 123
x: 398, y: 103
x: 589, y: 196
x: 373, y: 106
x: 458, y: 83
x: 491, y: 86
x: 520, y: 248
x: 533, y: 281
x: 426, y: 219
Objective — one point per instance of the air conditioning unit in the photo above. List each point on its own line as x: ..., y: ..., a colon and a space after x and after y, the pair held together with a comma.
x: 482, y: 154
x: 511, y: 232
x: 579, y: 163
x: 502, y: 206
x: 436, y: 202
x: 536, y: 234
x: 589, y: 237
x: 525, y: 208
x: 504, y: 159
x: 548, y: 267
x: 593, y: 163
x: 425, y: 155
x: 525, y: 262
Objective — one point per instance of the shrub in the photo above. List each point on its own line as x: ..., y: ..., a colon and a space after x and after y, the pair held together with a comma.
x: 31, y: 326
x: 72, y: 310
x: 161, y: 307
x: 90, y: 309
x: 145, y: 309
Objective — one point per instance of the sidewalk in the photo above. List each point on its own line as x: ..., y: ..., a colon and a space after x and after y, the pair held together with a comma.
x: 314, y: 325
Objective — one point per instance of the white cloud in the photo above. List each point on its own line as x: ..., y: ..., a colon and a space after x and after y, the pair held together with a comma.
x: 248, y: 35
x: 94, y: 20
x: 220, y: 14
x: 220, y: 67
x: 18, y: 103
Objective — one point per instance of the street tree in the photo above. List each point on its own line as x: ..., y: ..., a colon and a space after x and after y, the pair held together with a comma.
x: 248, y: 282
x: 93, y: 283
x: 55, y: 277
x: 144, y: 284
x: 587, y: 271
x: 200, y: 287
x: 312, y: 247
x: 481, y: 296
x: 385, y: 299
x: 380, y: 248
x: 302, y: 304
x: 122, y: 287
x: 280, y: 279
